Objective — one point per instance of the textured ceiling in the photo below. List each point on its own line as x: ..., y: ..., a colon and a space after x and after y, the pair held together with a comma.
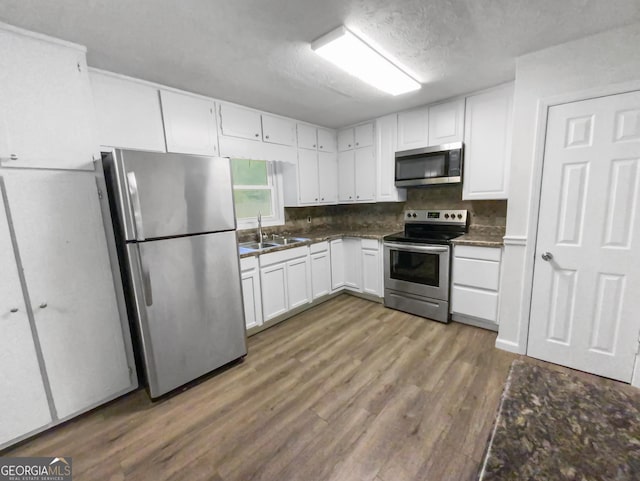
x: 256, y: 52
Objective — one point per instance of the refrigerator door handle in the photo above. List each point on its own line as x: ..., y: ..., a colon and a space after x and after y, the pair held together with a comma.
x: 134, y: 196
x: 146, y: 282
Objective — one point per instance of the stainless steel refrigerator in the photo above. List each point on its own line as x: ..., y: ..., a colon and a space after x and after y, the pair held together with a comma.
x: 176, y: 235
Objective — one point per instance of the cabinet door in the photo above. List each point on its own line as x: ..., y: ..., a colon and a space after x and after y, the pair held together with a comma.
x: 23, y: 403
x: 365, y: 175
x: 446, y: 122
x: 298, y: 282
x: 47, y: 117
x: 327, y: 141
x: 347, y: 176
x: 487, y: 150
x: 364, y: 135
x: 345, y: 139
x: 328, y: 177
x: 337, y: 264
x: 129, y: 115
x: 307, y: 137
x: 386, y: 144
x: 371, y: 272
x: 353, y: 264
x: 60, y: 231
x: 308, y: 176
x: 189, y: 124
x: 277, y: 130
x: 240, y: 122
x: 320, y: 274
x: 413, y: 129
x: 251, y: 294
x: 273, y: 280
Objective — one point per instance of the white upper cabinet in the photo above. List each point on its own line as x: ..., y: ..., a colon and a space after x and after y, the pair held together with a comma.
x: 347, y: 176
x: 365, y: 175
x: 307, y: 137
x: 327, y: 178
x: 240, y: 122
x: 487, y: 150
x: 277, y: 130
x: 386, y: 142
x: 128, y: 112
x: 308, y: 176
x: 345, y: 139
x: 364, y: 135
x: 413, y: 129
x: 327, y: 140
x: 189, y: 124
x: 446, y: 122
x: 47, y: 117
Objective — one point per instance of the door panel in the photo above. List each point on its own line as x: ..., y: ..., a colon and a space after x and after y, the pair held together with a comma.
x: 365, y: 174
x: 584, y: 305
x: 240, y: 122
x: 346, y: 176
x: 328, y: 177
x: 308, y: 176
x: 23, y: 403
x: 192, y: 318
x: 298, y: 282
x: 273, y: 280
x: 277, y: 130
x: 178, y: 194
x: 70, y: 283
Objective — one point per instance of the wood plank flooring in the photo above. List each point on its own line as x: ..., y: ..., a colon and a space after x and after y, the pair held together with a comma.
x: 348, y: 391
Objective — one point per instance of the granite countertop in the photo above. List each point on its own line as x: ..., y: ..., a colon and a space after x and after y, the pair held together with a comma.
x: 482, y: 237
x: 321, y: 236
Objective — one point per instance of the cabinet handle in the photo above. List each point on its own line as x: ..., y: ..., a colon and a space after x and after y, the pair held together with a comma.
x: 13, y: 157
x: 257, y: 135
x: 266, y: 136
x: 43, y: 305
x: 314, y: 146
x: 323, y: 198
x: 316, y: 199
x: 357, y: 143
x: 357, y: 196
x: 14, y: 310
x: 349, y: 145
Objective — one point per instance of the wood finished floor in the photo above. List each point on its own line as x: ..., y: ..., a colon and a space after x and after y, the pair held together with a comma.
x: 348, y: 391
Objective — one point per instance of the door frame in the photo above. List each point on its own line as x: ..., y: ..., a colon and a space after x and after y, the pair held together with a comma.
x: 531, y: 240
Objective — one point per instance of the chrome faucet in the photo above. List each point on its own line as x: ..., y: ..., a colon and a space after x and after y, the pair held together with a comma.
x: 259, y: 227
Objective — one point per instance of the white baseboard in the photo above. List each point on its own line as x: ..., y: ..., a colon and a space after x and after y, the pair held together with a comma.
x: 510, y: 346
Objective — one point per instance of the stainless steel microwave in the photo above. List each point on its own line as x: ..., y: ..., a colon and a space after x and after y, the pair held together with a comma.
x: 441, y: 164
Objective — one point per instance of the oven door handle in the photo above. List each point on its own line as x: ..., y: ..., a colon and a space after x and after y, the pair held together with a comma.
x: 416, y: 248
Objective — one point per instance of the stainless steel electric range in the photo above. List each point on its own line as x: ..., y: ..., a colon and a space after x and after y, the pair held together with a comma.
x: 417, y: 262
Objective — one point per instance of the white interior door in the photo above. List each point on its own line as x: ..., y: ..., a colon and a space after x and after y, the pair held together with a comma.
x: 585, y: 302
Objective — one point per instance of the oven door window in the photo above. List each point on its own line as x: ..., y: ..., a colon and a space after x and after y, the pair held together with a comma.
x: 416, y: 267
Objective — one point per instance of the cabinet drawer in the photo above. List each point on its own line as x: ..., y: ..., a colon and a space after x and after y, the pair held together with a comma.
x: 475, y: 303
x: 476, y: 273
x: 248, y: 263
x: 372, y: 244
x: 319, y: 247
x: 283, y: 256
x: 475, y: 252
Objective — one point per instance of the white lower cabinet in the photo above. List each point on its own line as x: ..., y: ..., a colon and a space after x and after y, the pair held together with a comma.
x: 285, y: 279
x: 371, y: 267
x: 337, y: 264
x: 251, y: 291
x: 353, y: 264
x: 476, y: 285
x: 320, y: 270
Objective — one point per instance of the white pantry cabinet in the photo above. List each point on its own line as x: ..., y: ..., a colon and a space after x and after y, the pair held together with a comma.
x: 278, y: 130
x: 47, y: 117
x: 475, y: 285
x: 128, y: 112
x: 413, y: 129
x: 285, y: 278
x: 320, y: 269
x: 71, y: 287
x: 487, y: 137
x: 446, y: 122
x: 386, y: 142
x: 23, y: 404
x: 251, y: 291
x: 189, y: 124
x: 236, y: 121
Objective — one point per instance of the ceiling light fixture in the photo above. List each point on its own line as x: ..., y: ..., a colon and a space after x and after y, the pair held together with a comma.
x: 344, y: 49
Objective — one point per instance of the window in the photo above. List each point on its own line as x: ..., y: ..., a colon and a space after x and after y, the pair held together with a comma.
x: 255, y: 190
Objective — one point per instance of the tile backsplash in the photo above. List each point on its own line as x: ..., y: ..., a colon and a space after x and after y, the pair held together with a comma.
x: 388, y: 215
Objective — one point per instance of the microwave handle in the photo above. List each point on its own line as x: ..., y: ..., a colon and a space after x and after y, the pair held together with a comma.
x: 416, y: 248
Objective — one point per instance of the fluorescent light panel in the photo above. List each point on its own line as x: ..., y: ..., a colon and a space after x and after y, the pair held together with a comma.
x: 344, y: 49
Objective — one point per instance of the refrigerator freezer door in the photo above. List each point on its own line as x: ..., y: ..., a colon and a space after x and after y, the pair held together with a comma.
x: 189, y: 306
x: 167, y: 195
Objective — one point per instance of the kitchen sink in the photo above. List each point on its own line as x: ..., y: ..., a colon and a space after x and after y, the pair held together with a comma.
x: 283, y: 241
x: 258, y: 246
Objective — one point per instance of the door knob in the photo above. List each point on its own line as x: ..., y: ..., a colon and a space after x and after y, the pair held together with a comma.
x: 547, y: 256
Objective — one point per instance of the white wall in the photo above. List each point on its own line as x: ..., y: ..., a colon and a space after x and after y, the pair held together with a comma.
x: 595, y: 62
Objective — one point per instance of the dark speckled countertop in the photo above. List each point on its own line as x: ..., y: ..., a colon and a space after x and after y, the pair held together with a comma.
x: 321, y: 236
x: 482, y: 237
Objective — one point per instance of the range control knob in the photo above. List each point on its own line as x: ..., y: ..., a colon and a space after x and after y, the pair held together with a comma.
x: 446, y: 216
x: 415, y: 215
x: 459, y: 216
